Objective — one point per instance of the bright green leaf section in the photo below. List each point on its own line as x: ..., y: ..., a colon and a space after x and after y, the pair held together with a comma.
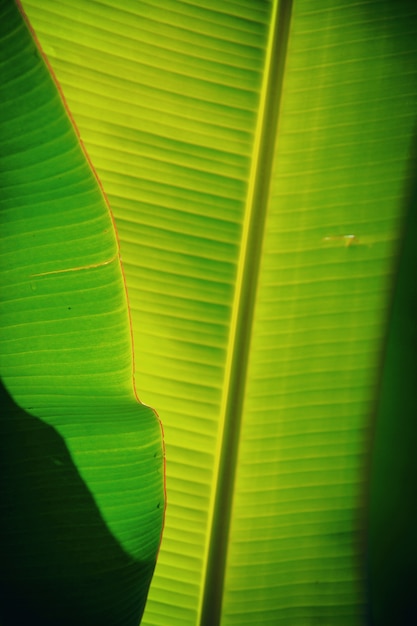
x: 66, y: 354
x: 171, y: 135
x: 60, y: 257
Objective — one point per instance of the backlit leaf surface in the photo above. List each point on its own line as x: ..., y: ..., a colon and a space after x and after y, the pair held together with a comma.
x: 171, y: 99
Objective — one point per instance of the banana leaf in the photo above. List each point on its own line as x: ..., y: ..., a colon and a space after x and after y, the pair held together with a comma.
x: 82, y: 486
x: 256, y: 159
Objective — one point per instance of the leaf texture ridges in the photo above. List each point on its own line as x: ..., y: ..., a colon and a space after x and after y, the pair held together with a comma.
x: 166, y: 96
x: 66, y: 361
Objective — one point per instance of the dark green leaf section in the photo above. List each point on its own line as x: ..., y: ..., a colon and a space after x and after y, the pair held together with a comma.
x: 392, y: 536
x: 60, y: 565
x: 82, y: 460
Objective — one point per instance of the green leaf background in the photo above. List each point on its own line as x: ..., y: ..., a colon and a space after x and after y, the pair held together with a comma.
x: 256, y: 157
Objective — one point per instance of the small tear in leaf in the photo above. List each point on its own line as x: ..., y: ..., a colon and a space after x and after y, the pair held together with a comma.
x: 76, y: 269
x: 346, y: 240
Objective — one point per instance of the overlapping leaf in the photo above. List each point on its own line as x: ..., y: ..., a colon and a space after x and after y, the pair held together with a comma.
x: 169, y: 99
x: 67, y: 367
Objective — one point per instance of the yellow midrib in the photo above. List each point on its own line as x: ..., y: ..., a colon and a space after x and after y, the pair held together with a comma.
x: 214, y: 564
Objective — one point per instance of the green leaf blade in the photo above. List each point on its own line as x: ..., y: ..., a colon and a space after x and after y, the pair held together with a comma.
x: 67, y: 365
x: 336, y: 202
x: 59, y: 249
x: 184, y: 111
x: 190, y: 143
